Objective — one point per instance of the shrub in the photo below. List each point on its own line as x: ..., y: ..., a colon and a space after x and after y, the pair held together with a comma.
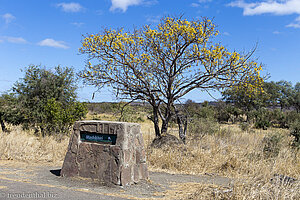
x: 292, y: 117
x: 222, y: 112
x: 295, y: 132
x: 206, y: 112
x: 60, y: 118
x: 244, y: 126
x: 278, y: 118
x: 201, y: 127
x: 191, y: 108
x: 262, y: 118
x: 130, y: 113
x: 271, y: 145
x: 226, y: 112
x: 47, y: 99
x: 10, y: 111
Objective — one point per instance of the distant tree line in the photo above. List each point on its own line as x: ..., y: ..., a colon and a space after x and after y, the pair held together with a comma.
x: 276, y: 105
x: 279, y: 94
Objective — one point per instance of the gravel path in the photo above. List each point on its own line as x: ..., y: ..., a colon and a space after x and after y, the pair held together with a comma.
x: 44, y: 182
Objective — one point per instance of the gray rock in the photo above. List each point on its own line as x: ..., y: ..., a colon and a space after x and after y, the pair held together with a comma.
x: 109, y: 152
x: 282, y: 179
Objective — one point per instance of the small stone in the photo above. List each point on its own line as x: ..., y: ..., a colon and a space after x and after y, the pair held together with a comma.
x: 282, y: 179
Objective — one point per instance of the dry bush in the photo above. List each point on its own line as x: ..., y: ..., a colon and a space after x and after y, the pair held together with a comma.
x: 20, y: 145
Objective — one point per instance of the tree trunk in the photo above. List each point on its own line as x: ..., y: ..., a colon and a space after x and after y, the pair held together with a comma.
x: 166, y: 118
x: 3, y: 127
x: 155, y: 121
x: 165, y: 123
x: 182, y: 127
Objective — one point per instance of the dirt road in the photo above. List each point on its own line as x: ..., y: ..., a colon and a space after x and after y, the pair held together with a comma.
x: 23, y: 181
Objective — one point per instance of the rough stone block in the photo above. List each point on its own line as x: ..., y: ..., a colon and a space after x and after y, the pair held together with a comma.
x: 93, y: 153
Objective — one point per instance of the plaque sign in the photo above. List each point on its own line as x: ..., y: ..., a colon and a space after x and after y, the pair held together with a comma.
x: 98, y: 138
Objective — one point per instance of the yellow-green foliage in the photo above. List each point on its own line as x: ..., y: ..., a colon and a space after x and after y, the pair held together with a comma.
x: 131, y: 61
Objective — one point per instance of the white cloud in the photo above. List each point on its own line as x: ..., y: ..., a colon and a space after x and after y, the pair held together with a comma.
x: 204, y: 1
x: 226, y: 34
x: 276, y: 7
x: 195, y: 5
x: 276, y: 32
x: 273, y: 49
x: 283, y: 7
x: 8, y: 18
x: 99, y: 12
x: 295, y: 24
x: 53, y: 43
x: 78, y: 24
x: 124, y: 4
x: 153, y: 19
x: 70, y: 7
x: 16, y: 40
x: 150, y: 2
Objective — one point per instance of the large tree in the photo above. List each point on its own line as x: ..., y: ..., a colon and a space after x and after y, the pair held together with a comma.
x: 161, y: 64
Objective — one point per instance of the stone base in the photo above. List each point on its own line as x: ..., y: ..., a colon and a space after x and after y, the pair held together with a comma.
x: 121, y: 164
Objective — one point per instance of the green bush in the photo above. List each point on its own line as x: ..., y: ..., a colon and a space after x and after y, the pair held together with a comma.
x: 206, y: 112
x: 10, y: 111
x: 244, y: 126
x: 278, y: 118
x: 292, y: 117
x: 261, y: 118
x: 46, y: 100
x: 295, y: 132
x: 222, y: 112
x: 226, y: 112
x: 130, y: 113
x: 271, y: 145
x: 191, y: 108
x: 201, y: 127
x: 60, y: 118
x: 198, y: 111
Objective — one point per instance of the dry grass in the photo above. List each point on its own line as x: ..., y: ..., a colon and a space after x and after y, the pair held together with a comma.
x: 247, y: 157
x: 232, y: 153
x: 256, y: 190
x: 20, y: 145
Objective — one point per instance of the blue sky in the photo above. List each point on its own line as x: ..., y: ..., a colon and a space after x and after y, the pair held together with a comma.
x: 49, y: 32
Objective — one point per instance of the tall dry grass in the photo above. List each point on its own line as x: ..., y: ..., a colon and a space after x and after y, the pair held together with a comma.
x: 232, y: 153
x: 20, y: 145
x: 250, y: 158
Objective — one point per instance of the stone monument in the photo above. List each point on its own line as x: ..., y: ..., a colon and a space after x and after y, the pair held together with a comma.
x: 108, y: 152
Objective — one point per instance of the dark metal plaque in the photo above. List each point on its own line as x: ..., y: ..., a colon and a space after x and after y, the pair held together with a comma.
x: 98, y: 138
